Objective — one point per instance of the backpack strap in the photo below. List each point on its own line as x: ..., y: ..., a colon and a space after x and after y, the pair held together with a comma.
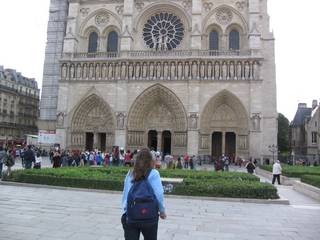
x: 148, y: 173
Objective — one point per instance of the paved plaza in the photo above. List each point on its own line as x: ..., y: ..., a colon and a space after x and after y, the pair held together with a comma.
x: 41, y: 213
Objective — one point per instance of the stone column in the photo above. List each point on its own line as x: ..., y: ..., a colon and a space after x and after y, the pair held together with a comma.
x: 223, y: 142
x: 193, y: 142
x: 95, y: 140
x: 70, y: 40
x: 196, y: 24
x: 127, y: 27
x: 254, y: 23
x: 51, y: 73
x: 159, y: 141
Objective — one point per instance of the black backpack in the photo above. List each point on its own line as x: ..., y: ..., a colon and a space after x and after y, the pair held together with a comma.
x: 8, y: 160
x: 142, y: 204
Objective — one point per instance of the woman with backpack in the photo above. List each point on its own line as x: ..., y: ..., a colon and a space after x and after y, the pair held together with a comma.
x: 142, y: 199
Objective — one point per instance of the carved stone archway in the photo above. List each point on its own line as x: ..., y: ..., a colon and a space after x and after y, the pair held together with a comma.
x: 157, y: 109
x: 224, y: 115
x: 95, y: 117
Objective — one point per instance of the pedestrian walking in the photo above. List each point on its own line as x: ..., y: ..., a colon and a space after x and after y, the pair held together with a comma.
x: 186, y: 161
x: 2, y: 157
x: 37, y: 164
x: 29, y: 158
x: 56, y: 159
x: 143, y: 184
x: 250, y: 167
x: 276, y: 171
x: 8, y: 162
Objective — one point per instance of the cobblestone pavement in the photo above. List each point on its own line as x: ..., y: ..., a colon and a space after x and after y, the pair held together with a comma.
x: 49, y: 214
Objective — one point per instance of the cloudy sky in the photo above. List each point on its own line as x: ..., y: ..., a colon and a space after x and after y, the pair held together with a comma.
x: 295, y: 23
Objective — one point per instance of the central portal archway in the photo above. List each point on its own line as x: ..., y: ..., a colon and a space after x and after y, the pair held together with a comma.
x: 157, y: 119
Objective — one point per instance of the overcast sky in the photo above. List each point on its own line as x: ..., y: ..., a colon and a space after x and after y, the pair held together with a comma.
x: 23, y: 25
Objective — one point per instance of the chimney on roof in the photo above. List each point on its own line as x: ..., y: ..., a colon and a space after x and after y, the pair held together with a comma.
x: 314, y: 104
x: 302, y: 105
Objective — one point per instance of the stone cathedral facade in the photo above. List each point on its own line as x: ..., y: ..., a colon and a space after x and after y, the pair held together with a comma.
x: 179, y: 76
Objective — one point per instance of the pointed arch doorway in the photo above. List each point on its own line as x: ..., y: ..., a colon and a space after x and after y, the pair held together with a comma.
x: 92, y: 125
x: 225, y: 120
x: 157, y: 119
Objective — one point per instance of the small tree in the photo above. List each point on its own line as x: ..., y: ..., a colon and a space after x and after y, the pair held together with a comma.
x: 283, y: 133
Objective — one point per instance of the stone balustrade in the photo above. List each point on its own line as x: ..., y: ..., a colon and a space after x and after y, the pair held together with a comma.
x: 164, y: 69
x: 159, y: 54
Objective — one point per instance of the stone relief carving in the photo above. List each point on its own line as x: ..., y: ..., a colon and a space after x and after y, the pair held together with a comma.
x: 241, y: 5
x: 204, y: 140
x: 162, y: 70
x: 119, y: 9
x: 64, y: 71
x: 135, y: 138
x: 60, y: 119
x: 123, y: 72
x: 243, y: 142
x: 121, y: 120
x: 207, y: 6
x: 139, y: 5
x: 72, y: 71
x: 224, y: 16
x: 102, y: 19
x: 180, y: 139
x: 84, y: 11
x: 187, y: 4
x: 256, y: 120
x: 193, y: 120
x: 256, y: 71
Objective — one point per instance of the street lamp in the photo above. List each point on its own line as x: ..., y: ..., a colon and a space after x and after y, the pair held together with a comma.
x: 273, y: 148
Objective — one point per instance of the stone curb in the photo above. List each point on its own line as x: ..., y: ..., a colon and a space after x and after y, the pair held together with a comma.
x: 216, y: 199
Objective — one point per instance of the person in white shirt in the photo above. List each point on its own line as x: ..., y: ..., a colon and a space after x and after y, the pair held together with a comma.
x: 276, y: 171
x: 37, y: 164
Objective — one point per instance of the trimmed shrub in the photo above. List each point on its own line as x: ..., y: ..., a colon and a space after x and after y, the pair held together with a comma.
x: 311, y: 179
x: 211, y: 184
x: 230, y: 189
x: 295, y: 171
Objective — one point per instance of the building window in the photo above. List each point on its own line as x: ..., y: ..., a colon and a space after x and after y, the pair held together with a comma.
x: 163, y: 31
x: 112, y: 43
x: 93, y: 42
x: 214, y: 40
x: 234, y: 40
x: 316, y: 124
x: 314, y: 136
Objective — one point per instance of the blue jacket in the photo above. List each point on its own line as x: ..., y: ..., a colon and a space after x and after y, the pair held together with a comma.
x: 155, y: 182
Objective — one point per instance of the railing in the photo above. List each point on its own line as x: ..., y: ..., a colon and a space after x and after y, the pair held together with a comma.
x: 159, y: 54
x: 247, y: 68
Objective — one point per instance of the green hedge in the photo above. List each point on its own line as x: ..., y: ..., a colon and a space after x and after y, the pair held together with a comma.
x: 205, y: 175
x: 209, y: 184
x: 311, y: 179
x: 295, y: 171
x: 230, y: 189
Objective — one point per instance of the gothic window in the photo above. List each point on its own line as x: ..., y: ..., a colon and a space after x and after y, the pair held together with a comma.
x: 93, y: 42
x: 163, y: 31
x: 314, y: 136
x: 234, y: 40
x: 112, y: 44
x: 214, y: 40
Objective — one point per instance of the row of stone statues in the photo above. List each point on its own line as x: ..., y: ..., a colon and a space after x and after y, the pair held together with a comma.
x: 182, y: 70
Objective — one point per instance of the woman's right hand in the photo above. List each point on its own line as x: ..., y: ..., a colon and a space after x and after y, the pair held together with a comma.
x: 163, y: 216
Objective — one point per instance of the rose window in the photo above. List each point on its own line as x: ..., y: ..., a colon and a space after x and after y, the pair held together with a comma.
x: 163, y: 31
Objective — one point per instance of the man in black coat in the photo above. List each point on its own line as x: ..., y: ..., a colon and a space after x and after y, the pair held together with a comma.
x: 29, y: 157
